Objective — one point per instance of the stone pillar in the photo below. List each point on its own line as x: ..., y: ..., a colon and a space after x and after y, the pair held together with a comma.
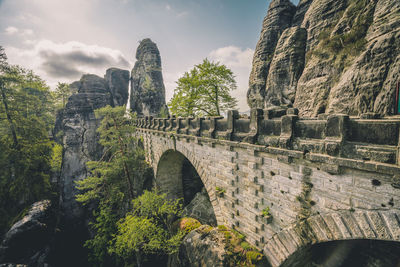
x: 178, y: 124
x: 256, y: 116
x: 164, y: 124
x: 287, y: 131
x: 213, y: 126
x: 233, y: 115
x: 335, y: 132
x: 171, y: 123
x: 197, y: 131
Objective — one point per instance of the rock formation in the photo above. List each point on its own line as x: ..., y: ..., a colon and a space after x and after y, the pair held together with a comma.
x: 27, y: 242
x: 328, y: 56
x: 79, y: 127
x: 147, y: 86
x: 201, y: 209
x: 279, y: 18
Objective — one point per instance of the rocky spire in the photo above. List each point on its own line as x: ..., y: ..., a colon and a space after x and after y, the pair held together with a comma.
x: 279, y: 17
x: 147, y: 86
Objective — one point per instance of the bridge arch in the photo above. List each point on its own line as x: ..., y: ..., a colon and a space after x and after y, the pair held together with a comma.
x: 281, y: 249
x: 180, y: 175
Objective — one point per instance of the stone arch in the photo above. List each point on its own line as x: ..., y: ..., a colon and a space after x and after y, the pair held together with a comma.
x: 345, y: 225
x: 168, y: 175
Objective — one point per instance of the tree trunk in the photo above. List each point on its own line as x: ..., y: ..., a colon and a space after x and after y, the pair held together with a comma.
x: 12, y: 127
x: 138, y: 258
x: 217, y: 101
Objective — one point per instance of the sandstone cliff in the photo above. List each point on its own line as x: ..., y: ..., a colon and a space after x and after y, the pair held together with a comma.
x: 328, y: 56
x: 79, y: 126
x: 147, y: 87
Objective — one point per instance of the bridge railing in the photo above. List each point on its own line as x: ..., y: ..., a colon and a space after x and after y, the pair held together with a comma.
x: 367, y: 137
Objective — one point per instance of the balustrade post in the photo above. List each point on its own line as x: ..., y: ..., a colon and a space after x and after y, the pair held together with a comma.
x: 335, y: 133
x: 199, y: 122
x: 233, y: 115
x: 287, y: 131
x: 213, y: 126
x: 256, y: 117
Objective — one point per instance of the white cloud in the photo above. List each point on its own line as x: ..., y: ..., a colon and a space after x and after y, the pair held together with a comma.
x: 67, y: 61
x: 233, y: 56
x: 239, y: 61
x: 11, y: 30
x: 168, y: 7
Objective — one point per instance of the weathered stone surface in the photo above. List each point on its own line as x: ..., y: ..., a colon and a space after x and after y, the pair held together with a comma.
x: 147, y: 86
x: 369, y: 84
x: 27, y: 242
x: 80, y: 140
x: 201, y: 209
x: 118, y: 84
x: 79, y: 124
x: 351, y: 64
x: 313, y: 192
x: 202, y: 248
x: 286, y: 67
x: 279, y: 18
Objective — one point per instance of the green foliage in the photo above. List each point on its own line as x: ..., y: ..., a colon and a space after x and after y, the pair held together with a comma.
x: 56, y: 158
x: 204, y: 91
x: 220, y: 191
x: 239, y: 251
x: 147, y: 228
x: 186, y: 225
x: 112, y: 180
x: 26, y: 117
x: 62, y: 92
x: 265, y: 212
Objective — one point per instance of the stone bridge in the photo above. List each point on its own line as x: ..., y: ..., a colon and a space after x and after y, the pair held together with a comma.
x: 322, y: 179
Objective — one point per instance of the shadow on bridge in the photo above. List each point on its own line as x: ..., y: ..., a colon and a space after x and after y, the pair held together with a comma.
x: 347, y: 253
x: 178, y: 178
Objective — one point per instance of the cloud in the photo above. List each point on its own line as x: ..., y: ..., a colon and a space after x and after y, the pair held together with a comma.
x: 240, y: 62
x: 11, y: 30
x: 168, y: 7
x: 233, y: 56
x: 66, y: 61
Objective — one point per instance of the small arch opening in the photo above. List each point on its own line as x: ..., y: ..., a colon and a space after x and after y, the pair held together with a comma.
x: 178, y: 178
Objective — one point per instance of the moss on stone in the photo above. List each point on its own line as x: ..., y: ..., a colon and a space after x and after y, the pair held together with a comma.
x: 186, y: 225
x: 240, y: 252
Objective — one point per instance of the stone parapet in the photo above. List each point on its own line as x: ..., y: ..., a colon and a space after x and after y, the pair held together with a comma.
x: 367, y: 138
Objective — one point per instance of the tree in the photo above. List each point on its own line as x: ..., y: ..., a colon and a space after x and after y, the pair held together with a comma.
x: 147, y: 229
x: 116, y: 179
x: 62, y: 92
x: 204, y: 91
x: 25, y: 149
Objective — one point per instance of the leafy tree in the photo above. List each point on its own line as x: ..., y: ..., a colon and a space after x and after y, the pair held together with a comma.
x: 120, y: 171
x: 25, y: 150
x: 204, y: 91
x: 62, y: 92
x: 147, y: 229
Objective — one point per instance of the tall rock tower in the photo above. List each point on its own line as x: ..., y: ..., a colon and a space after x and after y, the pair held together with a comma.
x: 147, y: 86
x: 328, y: 56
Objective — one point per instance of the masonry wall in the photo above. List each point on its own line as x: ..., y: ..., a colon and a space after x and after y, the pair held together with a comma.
x: 312, y: 197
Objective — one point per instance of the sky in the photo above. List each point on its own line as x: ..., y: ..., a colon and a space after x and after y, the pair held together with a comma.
x: 62, y: 39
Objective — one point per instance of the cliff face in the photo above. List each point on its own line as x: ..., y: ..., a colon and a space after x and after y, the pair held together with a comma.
x: 328, y: 56
x: 79, y: 126
x: 147, y: 86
